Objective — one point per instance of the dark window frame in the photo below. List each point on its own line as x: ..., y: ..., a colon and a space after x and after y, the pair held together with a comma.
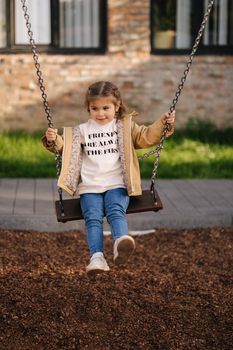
x: 202, y: 50
x: 53, y: 48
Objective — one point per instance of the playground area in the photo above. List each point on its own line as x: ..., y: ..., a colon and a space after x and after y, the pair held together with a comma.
x: 174, y: 294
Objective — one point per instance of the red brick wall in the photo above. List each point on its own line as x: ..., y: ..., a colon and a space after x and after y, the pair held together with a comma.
x: 147, y: 82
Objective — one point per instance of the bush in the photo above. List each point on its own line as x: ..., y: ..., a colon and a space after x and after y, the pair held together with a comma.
x: 205, y: 131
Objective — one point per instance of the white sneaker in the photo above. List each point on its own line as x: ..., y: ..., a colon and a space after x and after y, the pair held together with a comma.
x: 123, y: 248
x: 97, y: 264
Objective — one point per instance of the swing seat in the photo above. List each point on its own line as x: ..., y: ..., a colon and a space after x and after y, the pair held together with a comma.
x: 148, y: 201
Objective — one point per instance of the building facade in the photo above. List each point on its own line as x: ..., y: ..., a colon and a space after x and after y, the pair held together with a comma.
x: 141, y: 46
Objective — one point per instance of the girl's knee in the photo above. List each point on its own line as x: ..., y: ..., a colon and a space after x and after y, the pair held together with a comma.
x: 93, y: 222
x: 115, y: 214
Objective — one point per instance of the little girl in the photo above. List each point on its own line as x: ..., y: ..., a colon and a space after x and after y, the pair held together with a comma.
x: 99, y: 162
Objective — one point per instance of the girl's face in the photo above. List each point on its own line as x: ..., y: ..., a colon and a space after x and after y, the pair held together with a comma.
x: 103, y: 110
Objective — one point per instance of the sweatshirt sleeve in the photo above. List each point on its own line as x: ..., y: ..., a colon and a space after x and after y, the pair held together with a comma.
x: 49, y: 145
x: 147, y: 136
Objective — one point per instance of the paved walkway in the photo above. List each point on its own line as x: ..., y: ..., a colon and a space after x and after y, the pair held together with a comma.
x: 29, y: 204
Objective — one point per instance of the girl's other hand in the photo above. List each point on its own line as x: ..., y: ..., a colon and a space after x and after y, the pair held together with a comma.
x: 51, y: 134
x: 169, y: 118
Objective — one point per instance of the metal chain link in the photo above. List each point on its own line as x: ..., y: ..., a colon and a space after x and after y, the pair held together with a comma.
x: 41, y: 83
x: 159, y: 147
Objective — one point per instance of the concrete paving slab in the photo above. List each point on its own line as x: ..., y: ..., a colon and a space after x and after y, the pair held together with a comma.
x: 24, y: 199
x: 8, y: 193
x: 43, y: 194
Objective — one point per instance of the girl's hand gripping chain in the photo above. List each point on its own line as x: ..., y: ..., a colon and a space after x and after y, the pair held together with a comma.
x: 51, y: 134
x: 169, y: 118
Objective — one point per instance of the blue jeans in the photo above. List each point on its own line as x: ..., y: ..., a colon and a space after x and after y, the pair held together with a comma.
x: 113, y: 204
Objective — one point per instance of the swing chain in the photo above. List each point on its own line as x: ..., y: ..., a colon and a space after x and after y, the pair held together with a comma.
x: 159, y: 147
x: 41, y: 83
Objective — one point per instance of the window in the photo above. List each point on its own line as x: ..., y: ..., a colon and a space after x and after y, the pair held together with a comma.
x: 175, y: 24
x: 3, y: 42
x: 79, y: 23
x: 57, y: 25
x: 40, y: 18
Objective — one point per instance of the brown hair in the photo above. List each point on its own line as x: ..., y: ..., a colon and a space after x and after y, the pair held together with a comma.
x: 105, y: 89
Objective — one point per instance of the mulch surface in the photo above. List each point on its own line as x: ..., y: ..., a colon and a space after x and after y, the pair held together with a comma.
x: 175, y: 293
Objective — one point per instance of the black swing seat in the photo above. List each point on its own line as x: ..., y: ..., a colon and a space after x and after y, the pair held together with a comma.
x: 148, y: 201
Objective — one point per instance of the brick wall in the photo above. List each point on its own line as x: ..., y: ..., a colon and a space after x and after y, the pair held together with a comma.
x: 147, y: 82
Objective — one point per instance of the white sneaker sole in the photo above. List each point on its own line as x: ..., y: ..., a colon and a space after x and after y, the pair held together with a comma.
x: 94, y: 272
x: 124, y: 250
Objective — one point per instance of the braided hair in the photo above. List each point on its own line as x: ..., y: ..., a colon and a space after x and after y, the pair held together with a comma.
x: 105, y: 89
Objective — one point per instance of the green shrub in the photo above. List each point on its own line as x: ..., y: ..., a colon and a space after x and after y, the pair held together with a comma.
x: 205, y: 131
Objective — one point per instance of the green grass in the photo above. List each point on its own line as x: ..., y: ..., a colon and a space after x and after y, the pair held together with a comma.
x: 199, y: 151
x: 191, y: 159
x: 22, y: 155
